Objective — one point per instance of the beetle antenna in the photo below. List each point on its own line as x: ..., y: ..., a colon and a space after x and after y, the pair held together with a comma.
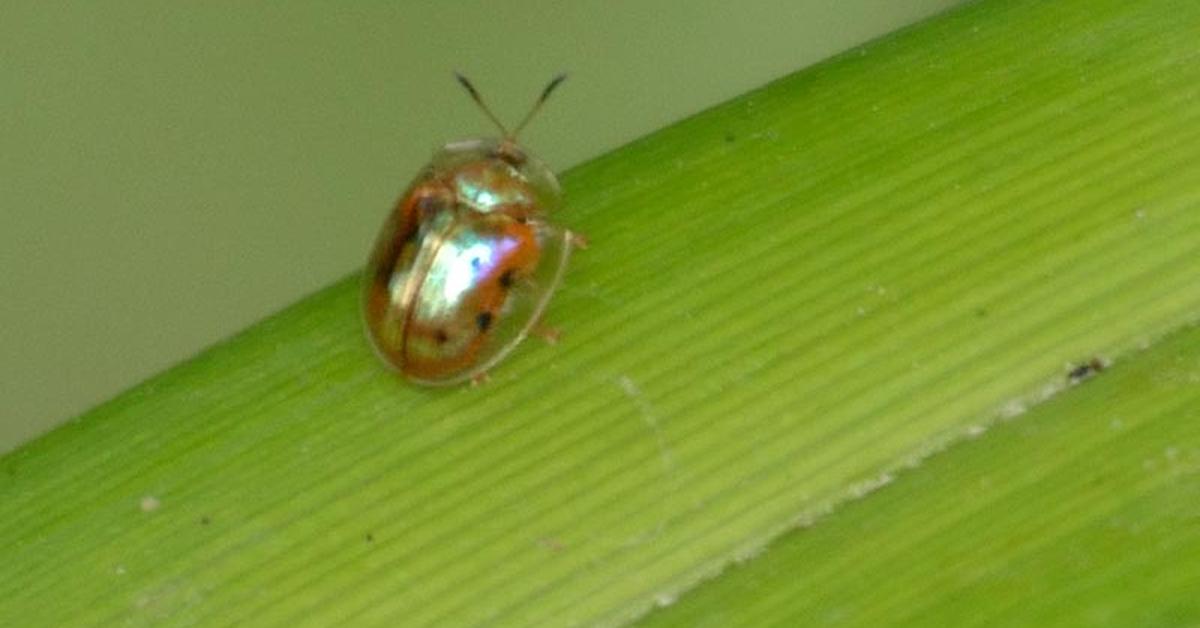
x: 550, y: 87
x: 482, y: 105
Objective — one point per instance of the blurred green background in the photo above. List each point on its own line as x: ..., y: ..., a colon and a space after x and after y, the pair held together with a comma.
x: 173, y: 172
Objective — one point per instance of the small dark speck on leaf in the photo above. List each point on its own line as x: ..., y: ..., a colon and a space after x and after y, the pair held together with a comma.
x: 551, y: 543
x: 1085, y: 370
x: 730, y: 137
x: 370, y: 538
x: 205, y: 520
x: 981, y: 312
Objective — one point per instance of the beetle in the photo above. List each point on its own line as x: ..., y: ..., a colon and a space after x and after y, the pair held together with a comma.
x: 467, y: 261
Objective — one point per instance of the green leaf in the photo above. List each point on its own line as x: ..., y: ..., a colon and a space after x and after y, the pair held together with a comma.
x: 788, y: 300
x: 1082, y: 512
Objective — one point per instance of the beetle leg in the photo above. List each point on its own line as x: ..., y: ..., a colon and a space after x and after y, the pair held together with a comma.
x: 550, y: 334
x: 577, y: 240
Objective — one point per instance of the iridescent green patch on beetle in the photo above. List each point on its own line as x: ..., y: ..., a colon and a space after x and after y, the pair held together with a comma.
x: 466, y: 262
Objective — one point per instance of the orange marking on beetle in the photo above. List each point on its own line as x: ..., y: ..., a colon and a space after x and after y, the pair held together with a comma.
x: 484, y: 301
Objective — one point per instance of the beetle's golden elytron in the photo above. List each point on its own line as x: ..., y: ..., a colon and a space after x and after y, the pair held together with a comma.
x: 467, y: 260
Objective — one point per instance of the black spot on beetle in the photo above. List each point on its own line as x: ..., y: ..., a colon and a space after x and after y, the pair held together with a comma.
x: 484, y: 320
x: 427, y: 204
x: 441, y: 336
x: 506, y: 279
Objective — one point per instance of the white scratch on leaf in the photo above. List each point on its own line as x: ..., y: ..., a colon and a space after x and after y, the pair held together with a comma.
x: 650, y: 418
